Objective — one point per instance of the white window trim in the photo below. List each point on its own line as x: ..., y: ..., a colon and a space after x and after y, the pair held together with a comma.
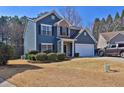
x: 47, y: 26
x: 58, y: 32
x: 46, y: 44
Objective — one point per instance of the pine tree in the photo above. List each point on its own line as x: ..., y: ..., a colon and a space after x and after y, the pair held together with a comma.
x: 103, y: 25
x: 122, y: 14
x: 109, y: 22
x: 96, y: 28
x: 117, y: 16
x: 103, y: 20
x: 109, y: 19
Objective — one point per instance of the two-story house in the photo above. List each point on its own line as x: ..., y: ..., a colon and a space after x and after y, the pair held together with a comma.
x: 51, y: 32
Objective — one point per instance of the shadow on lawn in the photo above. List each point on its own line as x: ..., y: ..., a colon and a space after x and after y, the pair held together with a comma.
x: 8, y: 71
x: 113, y: 71
x: 48, y: 62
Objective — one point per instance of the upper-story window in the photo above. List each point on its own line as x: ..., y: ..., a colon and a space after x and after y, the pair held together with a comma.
x: 46, y: 29
x: 64, y: 31
x: 52, y: 17
x: 85, y: 34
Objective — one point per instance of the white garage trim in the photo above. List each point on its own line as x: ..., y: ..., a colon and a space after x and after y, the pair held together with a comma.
x: 84, y: 49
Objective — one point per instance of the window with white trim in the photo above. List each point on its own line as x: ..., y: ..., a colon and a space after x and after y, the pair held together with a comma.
x: 46, y: 29
x: 47, y: 47
x: 64, y: 31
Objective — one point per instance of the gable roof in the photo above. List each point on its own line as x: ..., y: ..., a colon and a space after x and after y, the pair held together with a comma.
x: 47, y: 14
x: 82, y: 30
x: 57, y: 23
x: 109, y: 35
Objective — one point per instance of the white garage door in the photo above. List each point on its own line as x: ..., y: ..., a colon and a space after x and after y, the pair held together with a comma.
x: 84, y: 49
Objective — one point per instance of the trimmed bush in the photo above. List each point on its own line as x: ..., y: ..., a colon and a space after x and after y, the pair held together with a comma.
x: 52, y: 57
x: 60, y: 56
x: 31, y: 57
x: 41, y: 57
x: 34, y: 52
x: 26, y: 56
x: 6, y: 53
x: 3, y: 60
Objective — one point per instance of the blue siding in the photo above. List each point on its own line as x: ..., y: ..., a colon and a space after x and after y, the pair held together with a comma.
x: 73, y: 33
x: 85, y: 39
x: 52, y: 39
x: 118, y: 38
x: 48, y: 20
x: 47, y: 39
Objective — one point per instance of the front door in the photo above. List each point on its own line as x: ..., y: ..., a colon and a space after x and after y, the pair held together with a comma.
x: 65, y: 50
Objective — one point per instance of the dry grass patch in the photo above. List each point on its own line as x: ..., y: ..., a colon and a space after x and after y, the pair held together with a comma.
x: 92, y: 64
x: 76, y: 72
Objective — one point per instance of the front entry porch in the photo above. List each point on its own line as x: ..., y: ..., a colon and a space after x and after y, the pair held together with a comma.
x: 66, y: 46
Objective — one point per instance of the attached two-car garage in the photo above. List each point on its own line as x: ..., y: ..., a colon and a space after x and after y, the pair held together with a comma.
x: 84, y: 49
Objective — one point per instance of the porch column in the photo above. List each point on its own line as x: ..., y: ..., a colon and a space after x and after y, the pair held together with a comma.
x: 72, y: 48
x: 62, y: 46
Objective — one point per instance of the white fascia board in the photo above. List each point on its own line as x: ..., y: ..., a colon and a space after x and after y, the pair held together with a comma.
x: 64, y: 39
x: 57, y: 23
x: 46, y: 43
x: 47, y: 14
x: 46, y: 25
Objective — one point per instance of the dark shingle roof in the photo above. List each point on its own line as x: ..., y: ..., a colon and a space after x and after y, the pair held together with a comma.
x: 109, y: 35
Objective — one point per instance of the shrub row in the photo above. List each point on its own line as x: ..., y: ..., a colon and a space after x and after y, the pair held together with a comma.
x: 47, y: 57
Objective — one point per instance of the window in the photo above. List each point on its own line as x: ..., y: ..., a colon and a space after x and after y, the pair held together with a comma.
x: 52, y: 17
x: 46, y: 29
x: 47, y: 47
x: 113, y: 46
x: 120, y: 45
x: 85, y: 33
x: 64, y: 31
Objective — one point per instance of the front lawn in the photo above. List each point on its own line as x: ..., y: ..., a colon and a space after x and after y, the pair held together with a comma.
x: 76, y: 72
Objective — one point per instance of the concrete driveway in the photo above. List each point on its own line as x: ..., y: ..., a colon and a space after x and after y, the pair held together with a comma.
x: 118, y: 59
x: 4, y: 83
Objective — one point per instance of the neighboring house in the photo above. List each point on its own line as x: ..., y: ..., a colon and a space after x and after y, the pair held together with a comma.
x: 51, y: 32
x: 110, y: 38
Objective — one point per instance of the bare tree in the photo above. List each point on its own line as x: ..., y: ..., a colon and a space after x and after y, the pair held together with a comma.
x: 90, y: 27
x: 71, y: 15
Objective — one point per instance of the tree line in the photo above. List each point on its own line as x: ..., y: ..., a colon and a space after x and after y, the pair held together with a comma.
x: 14, y: 27
x: 109, y: 24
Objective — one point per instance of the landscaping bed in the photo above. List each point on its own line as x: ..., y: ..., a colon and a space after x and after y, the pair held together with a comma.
x: 36, y: 57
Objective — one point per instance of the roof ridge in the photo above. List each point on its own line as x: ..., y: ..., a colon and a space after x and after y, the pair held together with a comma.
x: 109, y: 35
